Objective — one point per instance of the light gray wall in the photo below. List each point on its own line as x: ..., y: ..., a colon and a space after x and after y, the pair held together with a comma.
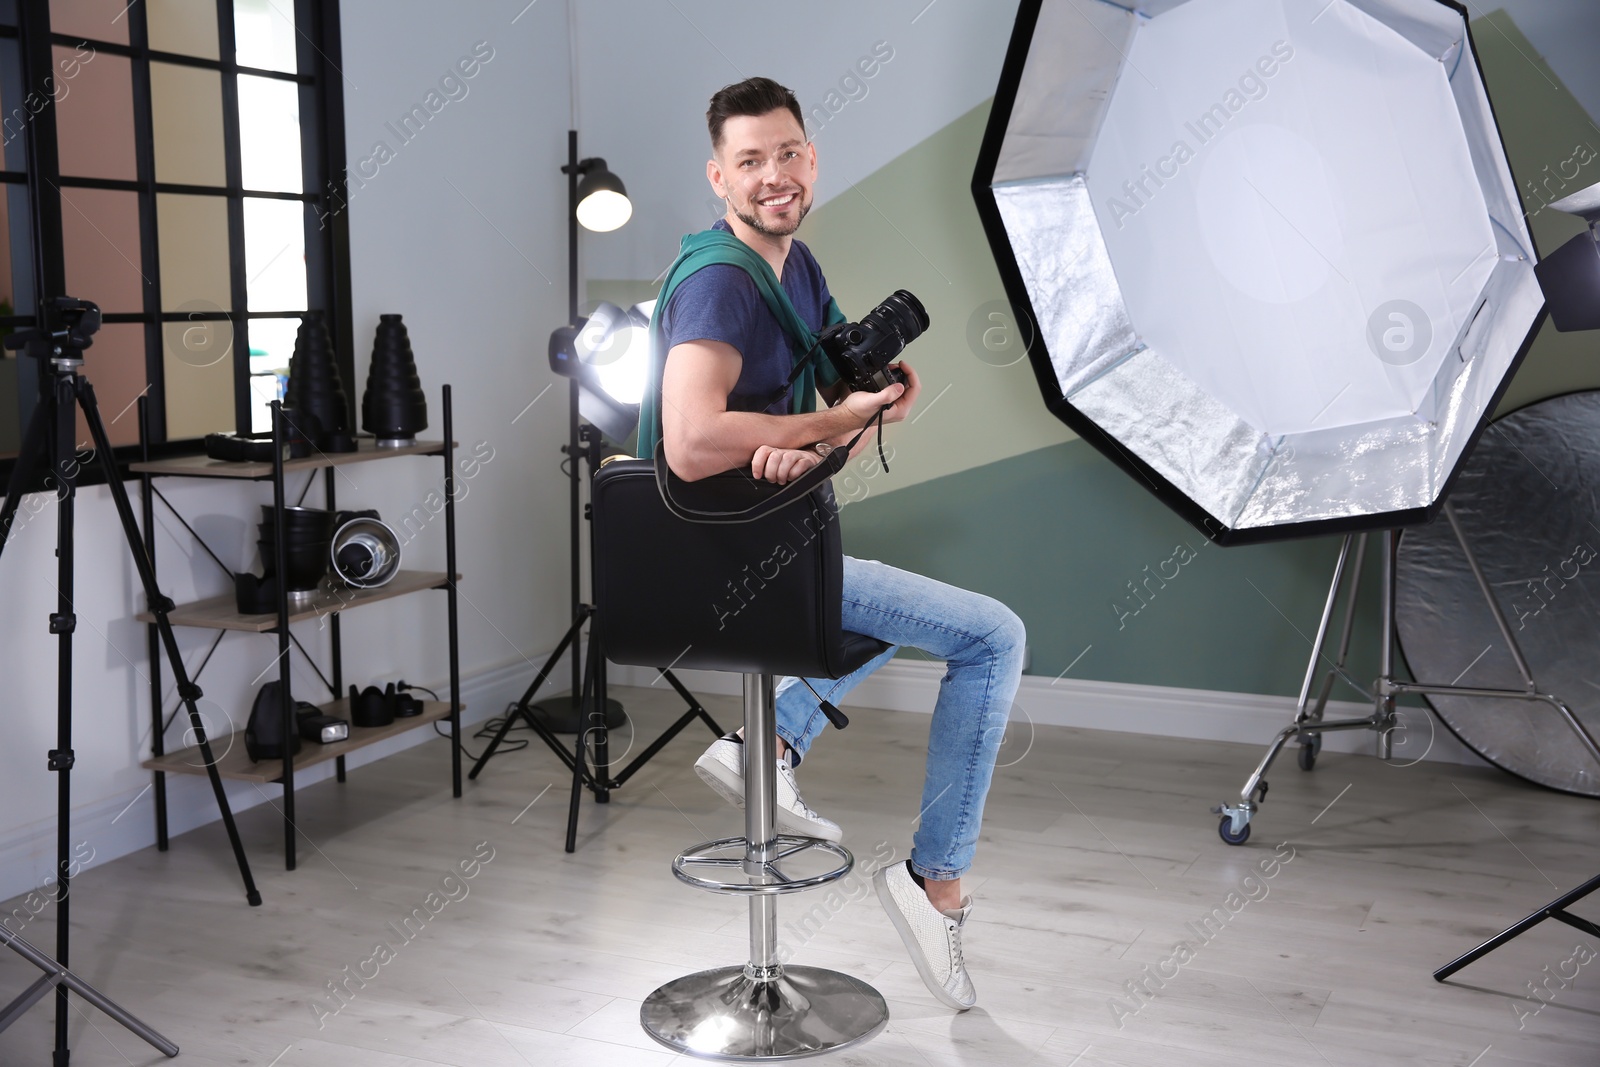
x: 463, y: 232
x: 647, y: 71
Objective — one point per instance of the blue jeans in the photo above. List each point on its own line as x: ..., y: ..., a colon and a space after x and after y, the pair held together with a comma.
x: 982, y: 642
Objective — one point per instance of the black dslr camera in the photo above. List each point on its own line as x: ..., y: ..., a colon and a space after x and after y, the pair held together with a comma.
x: 862, y: 351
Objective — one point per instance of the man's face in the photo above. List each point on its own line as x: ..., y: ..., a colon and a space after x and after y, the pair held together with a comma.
x: 765, y: 169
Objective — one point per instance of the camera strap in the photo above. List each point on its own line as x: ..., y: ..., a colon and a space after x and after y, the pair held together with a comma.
x: 736, y: 496
x: 712, y: 247
x: 761, y: 403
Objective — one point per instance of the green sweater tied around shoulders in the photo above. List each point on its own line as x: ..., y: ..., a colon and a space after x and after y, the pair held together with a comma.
x: 718, y: 246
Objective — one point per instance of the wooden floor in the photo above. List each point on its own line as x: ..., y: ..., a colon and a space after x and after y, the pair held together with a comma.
x: 1098, y: 857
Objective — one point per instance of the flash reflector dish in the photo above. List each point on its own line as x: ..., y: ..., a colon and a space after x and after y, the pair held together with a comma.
x: 1273, y: 251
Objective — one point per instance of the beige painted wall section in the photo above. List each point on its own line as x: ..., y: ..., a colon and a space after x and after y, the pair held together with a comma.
x: 912, y: 225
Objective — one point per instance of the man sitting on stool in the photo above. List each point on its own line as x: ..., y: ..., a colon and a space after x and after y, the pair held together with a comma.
x: 724, y: 345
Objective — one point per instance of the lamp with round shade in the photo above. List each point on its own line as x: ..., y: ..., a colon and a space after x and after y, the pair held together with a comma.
x: 603, y: 203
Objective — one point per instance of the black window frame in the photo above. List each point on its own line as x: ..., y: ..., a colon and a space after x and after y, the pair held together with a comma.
x: 323, y: 163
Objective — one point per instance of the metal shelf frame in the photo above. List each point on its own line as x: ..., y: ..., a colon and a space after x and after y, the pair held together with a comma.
x: 148, y: 469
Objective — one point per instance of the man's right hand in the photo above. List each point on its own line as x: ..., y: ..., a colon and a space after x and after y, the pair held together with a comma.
x: 898, y: 398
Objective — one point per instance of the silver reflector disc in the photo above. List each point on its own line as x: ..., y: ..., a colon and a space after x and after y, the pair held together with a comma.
x: 1526, y: 499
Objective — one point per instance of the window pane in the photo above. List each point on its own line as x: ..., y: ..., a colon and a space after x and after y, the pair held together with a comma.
x: 14, y: 105
x: 264, y: 34
x: 10, y: 408
x: 16, y: 297
x: 275, y: 254
x: 96, y: 20
x: 16, y: 254
x: 188, y: 27
x: 271, y: 345
x: 115, y: 364
x: 186, y: 106
x: 199, y: 378
x: 94, y: 116
x: 269, y: 134
x: 192, y: 234
x: 8, y: 12
x: 100, y: 238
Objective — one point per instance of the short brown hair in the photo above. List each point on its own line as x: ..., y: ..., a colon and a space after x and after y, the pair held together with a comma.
x: 753, y: 96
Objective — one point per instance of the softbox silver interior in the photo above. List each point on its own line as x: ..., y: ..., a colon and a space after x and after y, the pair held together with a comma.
x: 1274, y: 256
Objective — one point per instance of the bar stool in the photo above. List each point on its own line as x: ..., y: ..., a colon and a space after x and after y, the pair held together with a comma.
x: 759, y: 598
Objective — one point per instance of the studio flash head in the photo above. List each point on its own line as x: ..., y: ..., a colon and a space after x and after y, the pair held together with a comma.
x: 862, y: 351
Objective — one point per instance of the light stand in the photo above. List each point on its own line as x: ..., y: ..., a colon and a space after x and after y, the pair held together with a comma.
x: 50, y: 437
x: 565, y: 714
x: 1570, y: 278
x: 1308, y: 726
x: 579, y: 712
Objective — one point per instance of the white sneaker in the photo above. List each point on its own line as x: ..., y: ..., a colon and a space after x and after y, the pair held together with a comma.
x: 722, y: 768
x: 932, y: 937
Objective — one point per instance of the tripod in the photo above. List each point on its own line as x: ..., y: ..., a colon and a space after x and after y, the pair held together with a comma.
x: 1308, y: 725
x: 50, y: 438
x: 591, y: 702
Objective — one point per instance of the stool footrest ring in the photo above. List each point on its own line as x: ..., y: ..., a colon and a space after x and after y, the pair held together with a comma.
x: 770, y: 880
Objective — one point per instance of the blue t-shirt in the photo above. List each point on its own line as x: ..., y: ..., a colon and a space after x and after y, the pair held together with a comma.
x: 721, y: 303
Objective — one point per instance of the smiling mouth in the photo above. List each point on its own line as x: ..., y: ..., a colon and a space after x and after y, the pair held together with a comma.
x: 779, y: 201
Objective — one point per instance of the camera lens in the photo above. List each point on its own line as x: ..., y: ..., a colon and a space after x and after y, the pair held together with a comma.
x: 909, y: 317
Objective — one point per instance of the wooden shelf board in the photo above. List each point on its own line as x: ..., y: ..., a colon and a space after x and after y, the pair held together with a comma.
x: 222, y: 612
x: 233, y: 762
x: 203, y: 466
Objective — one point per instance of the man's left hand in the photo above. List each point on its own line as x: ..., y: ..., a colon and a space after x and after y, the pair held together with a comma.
x: 782, y: 465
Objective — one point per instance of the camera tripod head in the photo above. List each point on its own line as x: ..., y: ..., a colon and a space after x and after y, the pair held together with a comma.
x: 63, y: 347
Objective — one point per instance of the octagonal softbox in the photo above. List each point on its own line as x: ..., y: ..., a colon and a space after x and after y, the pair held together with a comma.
x: 1274, y: 260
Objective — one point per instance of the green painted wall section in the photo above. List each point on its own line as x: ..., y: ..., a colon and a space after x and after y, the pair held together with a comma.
x: 1092, y: 561
x: 988, y: 492
x: 1058, y: 533
x: 1554, y: 147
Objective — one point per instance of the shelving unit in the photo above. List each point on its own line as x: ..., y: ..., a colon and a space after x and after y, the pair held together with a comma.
x: 233, y: 762
x: 221, y: 613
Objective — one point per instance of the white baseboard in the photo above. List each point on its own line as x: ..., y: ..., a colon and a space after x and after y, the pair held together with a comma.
x: 1125, y: 707
x: 118, y: 825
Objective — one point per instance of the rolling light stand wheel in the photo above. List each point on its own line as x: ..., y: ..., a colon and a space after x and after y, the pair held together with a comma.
x: 1309, y: 750
x: 1225, y: 831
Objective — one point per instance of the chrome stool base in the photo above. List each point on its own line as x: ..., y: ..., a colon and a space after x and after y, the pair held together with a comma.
x: 722, y: 1014
x: 763, y: 1010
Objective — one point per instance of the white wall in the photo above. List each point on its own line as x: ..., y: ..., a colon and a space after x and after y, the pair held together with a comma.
x: 463, y: 232
x: 650, y: 127
x: 651, y: 130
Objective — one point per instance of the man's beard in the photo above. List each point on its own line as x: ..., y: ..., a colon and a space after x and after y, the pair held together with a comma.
x: 763, y: 228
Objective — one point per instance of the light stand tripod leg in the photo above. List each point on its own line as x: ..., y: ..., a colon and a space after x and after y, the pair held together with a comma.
x: 159, y: 606
x: 1352, y: 597
x: 1247, y: 795
x: 1303, y: 703
x: 1556, y: 909
x: 1585, y: 738
x: 695, y: 712
x: 58, y: 977
x: 580, y: 770
x: 521, y: 708
x: 62, y: 624
x: 51, y: 435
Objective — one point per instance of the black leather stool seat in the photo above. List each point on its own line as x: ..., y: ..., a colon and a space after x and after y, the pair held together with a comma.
x: 857, y: 650
x: 759, y: 597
